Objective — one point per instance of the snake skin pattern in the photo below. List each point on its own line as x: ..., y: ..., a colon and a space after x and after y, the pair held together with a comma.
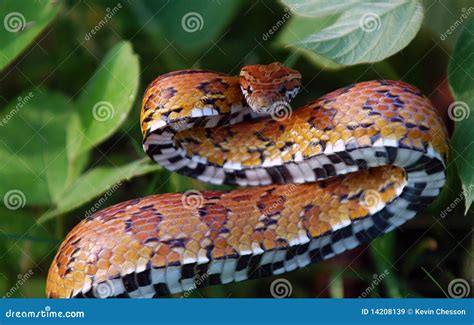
x: 333, y: 174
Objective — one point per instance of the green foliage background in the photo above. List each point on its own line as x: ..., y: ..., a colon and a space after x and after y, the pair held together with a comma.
x: 55, y: 69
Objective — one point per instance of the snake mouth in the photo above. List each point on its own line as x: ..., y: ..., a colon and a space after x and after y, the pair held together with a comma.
x: 269, y: 104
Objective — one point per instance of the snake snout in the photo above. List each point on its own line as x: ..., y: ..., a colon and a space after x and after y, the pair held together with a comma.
x: 267, y: 86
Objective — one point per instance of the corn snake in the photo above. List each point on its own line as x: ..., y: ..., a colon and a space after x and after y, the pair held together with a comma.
x: 333, y: 174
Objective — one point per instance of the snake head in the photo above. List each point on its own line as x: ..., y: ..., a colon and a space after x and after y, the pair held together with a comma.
x: 269, y: 86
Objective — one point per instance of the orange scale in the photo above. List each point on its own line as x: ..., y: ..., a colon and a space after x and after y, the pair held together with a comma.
x: 90, y: 269
x: 257, y: 237
x: 360, y: 132
x: 163, y: 250
x: 145, y: 251
x: 78, y: 276
x: 158, y: 261
x: 414, y: 133
x: 386, y: 131
x: 234, y: 241
x: 116, y: 259
x: 334, y: 136
x: 131, y: 256
x: 380, y: 122
x: 406, y: 141
x: 418, y: 144
x: 292, y: 228
x: 372, y: 131
x: 218, y: 253
x: 400, y: 131
x: 173, y: 257
x: 426, y: 137
x: 419, y: 118
x: 105, y: 253
x: 362, y: 211
x: 103, y: 263
x: 78, y: 286
x: 269, y: 244
x: 113, y: 271
x: 220, y: 242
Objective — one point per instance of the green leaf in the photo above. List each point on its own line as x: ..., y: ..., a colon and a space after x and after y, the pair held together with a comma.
x: 383, y: 253
x: 33, y: 158
x: 22, y: 21
x: 336, y: 285
x: 96, y: 181
x: 188, y: 25
x: 460, y: 72
x: 444, y: 19
x: 319, y: 8
x: 369, y: 31
x: 106, y: 100
x: 299, y: 28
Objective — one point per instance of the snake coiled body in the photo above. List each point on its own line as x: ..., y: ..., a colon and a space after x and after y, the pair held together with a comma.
x: 323, y: 179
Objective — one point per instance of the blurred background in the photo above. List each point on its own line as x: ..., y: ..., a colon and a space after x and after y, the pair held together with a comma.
x: 56, y: 75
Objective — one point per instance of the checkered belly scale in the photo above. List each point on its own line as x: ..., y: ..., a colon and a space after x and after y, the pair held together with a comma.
x: 333, y: 174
